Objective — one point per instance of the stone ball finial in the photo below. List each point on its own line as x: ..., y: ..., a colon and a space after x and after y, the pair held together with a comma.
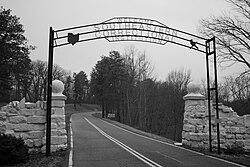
x: 57, y: 87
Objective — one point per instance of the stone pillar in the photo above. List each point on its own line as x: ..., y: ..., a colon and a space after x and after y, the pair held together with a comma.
x: 234, y: 129
x: 58, y: 125
x: 195, y: 125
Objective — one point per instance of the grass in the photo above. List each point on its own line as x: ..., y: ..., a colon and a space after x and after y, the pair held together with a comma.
x: 241, y: 158
x: 55, y: 160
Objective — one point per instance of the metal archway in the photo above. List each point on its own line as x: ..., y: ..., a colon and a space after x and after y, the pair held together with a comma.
x: 132, y: 29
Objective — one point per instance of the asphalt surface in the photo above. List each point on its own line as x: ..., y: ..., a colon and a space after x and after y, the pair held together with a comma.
x: 100, y: 144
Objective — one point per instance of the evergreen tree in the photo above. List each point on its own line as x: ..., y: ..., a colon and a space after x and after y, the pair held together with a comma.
x: 107, y: 79
x: 14, y: 60
x: 80, y: 87
x: 68, y: 91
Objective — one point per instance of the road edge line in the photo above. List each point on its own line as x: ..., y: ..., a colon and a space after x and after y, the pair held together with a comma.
x: 71, y: 146
x: 125, y: 147
x: 220, y: 159
x: 159, y: 141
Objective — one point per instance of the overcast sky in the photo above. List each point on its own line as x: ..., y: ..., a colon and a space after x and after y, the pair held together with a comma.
x: 38, y: 16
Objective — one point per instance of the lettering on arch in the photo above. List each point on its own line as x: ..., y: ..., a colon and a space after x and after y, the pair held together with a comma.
x: 134, y: 29
x: 128, y: 29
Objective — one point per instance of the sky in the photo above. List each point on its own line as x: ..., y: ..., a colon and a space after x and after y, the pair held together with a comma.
x: 38, y: 16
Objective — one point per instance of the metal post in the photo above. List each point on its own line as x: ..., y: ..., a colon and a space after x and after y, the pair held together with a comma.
x: 49, y: 91
x: 215, y: 88
x: 216, y: 96
x: 208, y: 95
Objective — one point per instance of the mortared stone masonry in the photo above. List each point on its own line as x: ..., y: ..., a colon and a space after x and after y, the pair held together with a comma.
x: 234, y: 129
x: 28, y: 121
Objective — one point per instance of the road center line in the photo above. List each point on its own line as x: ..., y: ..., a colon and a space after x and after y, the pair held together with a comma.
x: 125, y: 147
x: 201, y: 154
x: 149, y: 138
x: 169, y: 157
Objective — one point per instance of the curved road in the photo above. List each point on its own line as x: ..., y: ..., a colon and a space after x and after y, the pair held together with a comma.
x: 100, y: 144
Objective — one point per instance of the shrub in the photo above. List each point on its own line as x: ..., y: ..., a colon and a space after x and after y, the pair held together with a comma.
x: 234, y: 149
x: 12, y: 150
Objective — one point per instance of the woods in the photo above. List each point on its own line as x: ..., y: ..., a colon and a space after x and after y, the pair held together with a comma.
x: 122, y: 85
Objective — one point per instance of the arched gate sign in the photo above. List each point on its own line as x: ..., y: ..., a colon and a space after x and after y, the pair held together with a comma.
x: 132, y: 29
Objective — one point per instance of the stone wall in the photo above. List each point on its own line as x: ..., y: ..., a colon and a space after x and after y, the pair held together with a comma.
x: 28, y: 121
x: 234, y: 129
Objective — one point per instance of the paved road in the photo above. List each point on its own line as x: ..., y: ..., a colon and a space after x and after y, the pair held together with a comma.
x: 101, y: 144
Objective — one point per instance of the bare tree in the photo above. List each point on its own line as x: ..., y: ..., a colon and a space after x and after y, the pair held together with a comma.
x: 139, y: 69
x: 59, y: 73
x: 177, y: 82
x: 235, y: 92
x: 130, y: 58
x: 39, y: 75
x: 232, y: 32
x: 144, y: 70
x: 179, y: 78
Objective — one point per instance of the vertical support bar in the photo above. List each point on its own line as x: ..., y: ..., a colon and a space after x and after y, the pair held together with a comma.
x: 49, y: 91
x: 208, y: 95
x: 216, y: 96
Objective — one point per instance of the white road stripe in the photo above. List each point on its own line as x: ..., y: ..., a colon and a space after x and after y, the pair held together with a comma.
x: 169, y: 157
x: 159, y: 141
x: 127, y: 148
x: 71, y: 148
x: 175, y: 146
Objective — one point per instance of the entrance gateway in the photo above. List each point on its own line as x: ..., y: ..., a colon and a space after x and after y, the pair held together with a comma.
x: 132, y: 29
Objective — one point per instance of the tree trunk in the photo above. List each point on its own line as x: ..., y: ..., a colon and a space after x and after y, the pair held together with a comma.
x: 103, y: 108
